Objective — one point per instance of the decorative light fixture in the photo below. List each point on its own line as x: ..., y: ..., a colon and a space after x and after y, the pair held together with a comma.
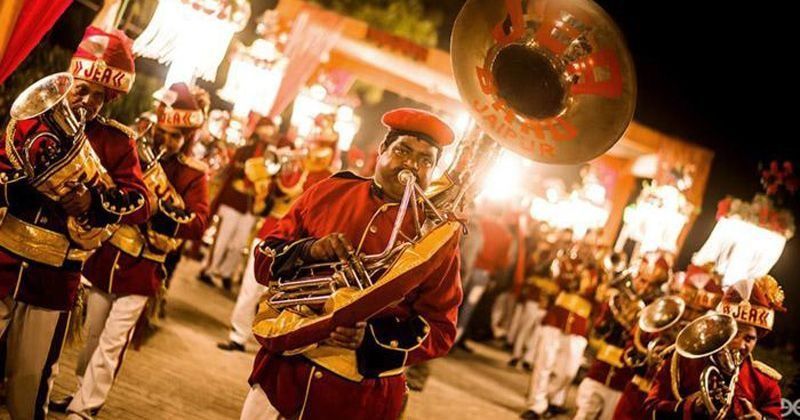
x: 656, y: 220
x: 192, y: 36
x: 582, y: 210
x: 254, y: 78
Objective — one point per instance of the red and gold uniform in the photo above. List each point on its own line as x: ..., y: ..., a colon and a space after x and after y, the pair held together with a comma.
x: 675, y: 392
x: 237, y: 201
x: 42, y: 250
x: 364, y: 217
x: 600, y: 391
x: 286, y: 188
x: 419, y: 327
x: 563, y: 336
x: 128, y: 268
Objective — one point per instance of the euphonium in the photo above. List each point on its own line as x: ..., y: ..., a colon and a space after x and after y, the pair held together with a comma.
x: 313, y: 285
x: 625, y: 304
x: 158, y: 185
x: 708, y: 337
x: 554, y: 82
x: 658, y: 317
x: 62, y: 155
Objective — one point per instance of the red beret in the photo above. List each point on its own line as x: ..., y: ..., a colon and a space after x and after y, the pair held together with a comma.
x: 105, y: 58
x: 421, y: 124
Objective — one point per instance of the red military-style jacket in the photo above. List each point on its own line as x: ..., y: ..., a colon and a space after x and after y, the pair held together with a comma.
x: 54, y: 287
x: 494, y: 255
x: 356, y: 208
x: 677, y: 382
x: 234, y: 177
x: 609, y: 368
x: 115, y: 271
x: 572, y: 307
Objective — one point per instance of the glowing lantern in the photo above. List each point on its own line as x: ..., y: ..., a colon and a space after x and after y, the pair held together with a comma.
x: 747, y: 240
x: 192, y: 36
x: 656, y: 219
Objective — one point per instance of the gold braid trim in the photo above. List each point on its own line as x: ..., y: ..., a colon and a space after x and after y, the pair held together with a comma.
x: 118, y: 125
x: 11, y: 152
x: 767, y: 370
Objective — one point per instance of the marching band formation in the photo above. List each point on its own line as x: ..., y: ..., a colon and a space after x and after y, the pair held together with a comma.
x: 355, y: 279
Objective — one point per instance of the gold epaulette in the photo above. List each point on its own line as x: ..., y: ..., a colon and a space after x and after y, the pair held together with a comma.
x: 193, y: 163
x: 118, y: 125
x: 767, y: 370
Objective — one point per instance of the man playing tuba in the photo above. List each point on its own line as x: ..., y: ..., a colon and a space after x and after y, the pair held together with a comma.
x: 677, y: 390
x: 334, y: 219
x: 41, y: 250
x: 128, y: 268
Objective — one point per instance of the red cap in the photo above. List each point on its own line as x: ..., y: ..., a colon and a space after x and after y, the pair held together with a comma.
x: 179, y: 107
x: 106, y: 59
x: 419, y: 123
x: 766, y: 297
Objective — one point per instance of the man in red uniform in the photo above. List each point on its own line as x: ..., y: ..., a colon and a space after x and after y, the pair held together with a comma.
x: 757, y: 395
x: 234, y: 206
x: 40, y: 258
x: 334, y: 217
x: 127, y: 269
x: 285, y: 189
x: 492, y: 260
x: 562, y: 337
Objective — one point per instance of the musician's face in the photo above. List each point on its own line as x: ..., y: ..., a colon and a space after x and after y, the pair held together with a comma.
x: 406, y: 152
x: 87, y: 96
x: 266, y: 133
x: 171, y: 139
x: 745, y: 340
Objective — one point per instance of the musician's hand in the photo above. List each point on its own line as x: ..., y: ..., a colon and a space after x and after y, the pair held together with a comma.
x: 78, y: 200
x: 348, y: 338
x: 750, y: 411
x: 332, y: 247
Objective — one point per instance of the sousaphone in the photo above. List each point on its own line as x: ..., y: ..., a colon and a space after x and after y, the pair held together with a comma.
x: 551, y: 80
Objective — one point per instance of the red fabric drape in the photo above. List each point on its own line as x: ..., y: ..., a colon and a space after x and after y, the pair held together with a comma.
x: 34, y: 20
x: 313, y: 34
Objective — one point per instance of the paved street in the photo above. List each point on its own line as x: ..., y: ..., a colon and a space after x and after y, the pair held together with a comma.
x: 180, y: 374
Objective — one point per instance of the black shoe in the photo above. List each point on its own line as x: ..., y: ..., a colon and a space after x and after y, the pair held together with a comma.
x: 230, y: 346
x: 554, y: 410
x: 227, y: 284
x: 60, y: 406
x: 530, y: 415
x: 513, y: 362
x: 527, y: 367
x: 205, y: 278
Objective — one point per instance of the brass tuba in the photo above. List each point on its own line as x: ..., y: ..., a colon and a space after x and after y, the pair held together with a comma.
x: 656, y: 318
x: 158, y: 185
x: 553, y: 82
x: 708, y: 337
x: 549, y: 79
x: 62, y: 154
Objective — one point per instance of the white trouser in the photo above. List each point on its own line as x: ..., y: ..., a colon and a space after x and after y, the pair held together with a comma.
x: 234, y: 231
x: 111, y: 320
x: 558, y: 355
x: 35, y: 339
x: 257, y: 406
x: 246, y: 303
x: 502, y: 314
x: 596, y: 401
x: 529, y: 319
